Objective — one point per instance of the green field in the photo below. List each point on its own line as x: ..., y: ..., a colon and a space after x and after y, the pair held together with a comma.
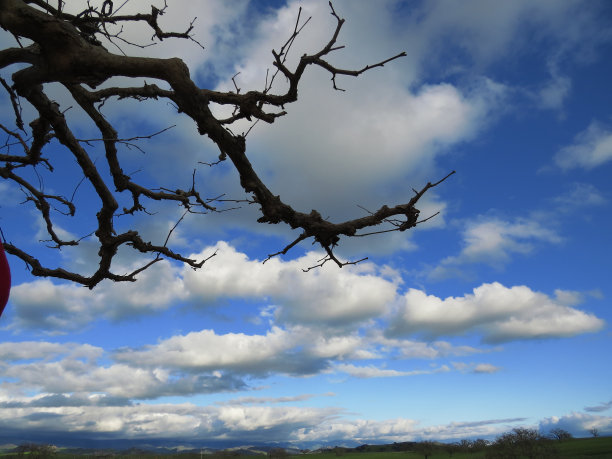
x: 600, y: 447
x: 401, y: 455
x: 587, y: 447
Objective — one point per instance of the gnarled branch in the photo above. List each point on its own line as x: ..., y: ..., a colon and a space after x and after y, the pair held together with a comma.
x: 68, y: 49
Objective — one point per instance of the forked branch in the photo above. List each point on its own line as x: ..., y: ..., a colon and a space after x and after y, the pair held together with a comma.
x: 68, y: 49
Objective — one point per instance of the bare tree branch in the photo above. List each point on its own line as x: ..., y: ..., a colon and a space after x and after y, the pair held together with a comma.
x: 68, y: 49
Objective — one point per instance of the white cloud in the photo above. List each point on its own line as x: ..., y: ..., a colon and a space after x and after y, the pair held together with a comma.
x: 579, y: 424
x: 208, y: 351
x: 371, y: 371
x: 496, y: 239
x: 60, y: 308
x: 468, y: 38
x: 486, y: 368
x: 360, y: 431
x: 199, y: 363
x: 580, y: 195
x: 411, y: 349
x: 330, y: 296
x: 390, y: 136
x: 45, y: 305
x: 477, y: 368
x: 213, y: 20
x: 195, y: 363
x: 326, y: 296
x: 178, y: 421
x: 497, y: 312
x: 10, y: 196
x: 297, y: 425
x: 77, y: 369
x: 493, y: 240
x: 237, y: 422
x: 336, y: 302
x: 554, y: 94
x: 591, y: 148
x: 387, y: 127
x: 295, y: 351
x: 487, y: 29
x: 36, y: 350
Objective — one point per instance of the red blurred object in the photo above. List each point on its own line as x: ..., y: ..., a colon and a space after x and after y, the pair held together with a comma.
x: 5, y: 279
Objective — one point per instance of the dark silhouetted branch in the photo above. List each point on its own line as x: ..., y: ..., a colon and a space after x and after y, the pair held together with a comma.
x: 69, y: 50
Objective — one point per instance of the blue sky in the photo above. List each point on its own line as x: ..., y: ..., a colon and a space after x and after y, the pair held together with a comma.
x: 494, y: 314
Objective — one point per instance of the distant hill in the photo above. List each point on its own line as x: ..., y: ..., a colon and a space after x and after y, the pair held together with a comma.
x: 600, y: 447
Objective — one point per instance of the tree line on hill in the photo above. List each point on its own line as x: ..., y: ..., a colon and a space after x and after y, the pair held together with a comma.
x: 518, y: 443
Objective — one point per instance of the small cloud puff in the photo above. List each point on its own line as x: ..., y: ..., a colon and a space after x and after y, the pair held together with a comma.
x: 591, y: 148
x: 493, y: 241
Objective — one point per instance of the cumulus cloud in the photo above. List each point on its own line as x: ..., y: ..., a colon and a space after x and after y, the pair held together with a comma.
x: 327, y: 296
x: 63, y: 307
x: 77, y: 369
x: 390, y: 136
x: 591, y: 148
x: 497, y: 312
x: 494, y: 240
x: 361, y: 431
x: 579, y: 424
x: 294, y: 351
x: 497, y: 239
x: 236, y: 352
x: 187, y: 422
x: 198, y: 363
x: 195, y: 363
x: 170, y: 421
x: 390, y: 128
x: 405, y: 134
x: 335, y: 302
